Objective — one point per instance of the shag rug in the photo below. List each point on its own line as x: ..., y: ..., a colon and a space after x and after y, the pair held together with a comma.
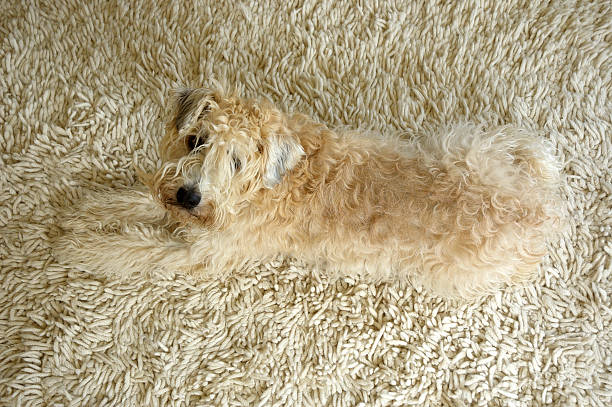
x: 85, y: 87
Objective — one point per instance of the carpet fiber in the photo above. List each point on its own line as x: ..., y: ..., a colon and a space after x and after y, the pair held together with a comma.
x: 85, y: 87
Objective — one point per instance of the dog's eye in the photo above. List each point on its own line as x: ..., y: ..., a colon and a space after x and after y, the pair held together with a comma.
x: 237, y: 164
x: 195, y: 141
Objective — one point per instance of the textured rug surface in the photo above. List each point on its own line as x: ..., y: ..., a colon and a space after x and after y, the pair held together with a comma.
x: 85, y: 88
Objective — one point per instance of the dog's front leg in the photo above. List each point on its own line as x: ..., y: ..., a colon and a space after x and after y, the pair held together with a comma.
x: 120, y: 232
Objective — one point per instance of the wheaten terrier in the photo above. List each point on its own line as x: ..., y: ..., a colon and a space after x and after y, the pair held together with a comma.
x: 241, y: 182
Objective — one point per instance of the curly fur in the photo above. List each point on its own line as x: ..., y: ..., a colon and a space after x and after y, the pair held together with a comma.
x: 463, y: 212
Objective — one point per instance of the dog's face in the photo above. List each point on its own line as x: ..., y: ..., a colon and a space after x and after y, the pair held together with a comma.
x: 218, y: 153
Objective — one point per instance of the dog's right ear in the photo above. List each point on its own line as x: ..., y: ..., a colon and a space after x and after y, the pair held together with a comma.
x: 184, y: 106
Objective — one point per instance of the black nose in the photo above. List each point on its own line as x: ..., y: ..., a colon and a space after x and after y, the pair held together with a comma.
x: 188, y: 198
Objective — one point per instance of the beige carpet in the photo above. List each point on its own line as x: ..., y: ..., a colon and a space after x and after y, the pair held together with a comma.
x: 84, y: 85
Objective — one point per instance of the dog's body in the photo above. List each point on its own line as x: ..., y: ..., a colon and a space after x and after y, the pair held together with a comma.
x: 241, y: 182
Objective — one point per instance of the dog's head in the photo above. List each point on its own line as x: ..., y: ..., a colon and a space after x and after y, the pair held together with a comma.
x: 218, y: 153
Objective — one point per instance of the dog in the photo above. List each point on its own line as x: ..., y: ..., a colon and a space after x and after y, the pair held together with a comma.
x: 241, y: 182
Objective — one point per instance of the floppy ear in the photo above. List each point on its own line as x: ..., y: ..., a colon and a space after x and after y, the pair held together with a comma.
x: 283, y: 154
x: 190, y: 104
x: 184, y: 105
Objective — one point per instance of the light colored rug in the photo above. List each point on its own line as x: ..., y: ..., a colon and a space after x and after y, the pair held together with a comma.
x: 84, y: 86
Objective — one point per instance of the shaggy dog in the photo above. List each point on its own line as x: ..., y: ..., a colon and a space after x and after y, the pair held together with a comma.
x: 241, y: 182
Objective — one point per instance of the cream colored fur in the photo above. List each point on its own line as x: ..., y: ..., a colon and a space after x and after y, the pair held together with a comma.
x: 84, y: 90
x: 462, y: 212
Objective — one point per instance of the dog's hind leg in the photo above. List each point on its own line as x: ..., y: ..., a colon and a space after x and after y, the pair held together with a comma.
x: 494, y: 202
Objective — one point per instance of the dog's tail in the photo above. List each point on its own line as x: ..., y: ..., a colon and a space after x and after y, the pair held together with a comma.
x: 496, y: 193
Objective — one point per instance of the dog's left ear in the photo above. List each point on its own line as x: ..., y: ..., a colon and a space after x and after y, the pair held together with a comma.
x: 283, y: 153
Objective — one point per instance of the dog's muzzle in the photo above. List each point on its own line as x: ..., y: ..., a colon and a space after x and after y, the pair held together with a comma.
x: 188, y: 198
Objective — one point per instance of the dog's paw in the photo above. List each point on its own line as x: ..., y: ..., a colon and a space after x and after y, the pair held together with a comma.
x: 112, y: 211
x: 116, y: 232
